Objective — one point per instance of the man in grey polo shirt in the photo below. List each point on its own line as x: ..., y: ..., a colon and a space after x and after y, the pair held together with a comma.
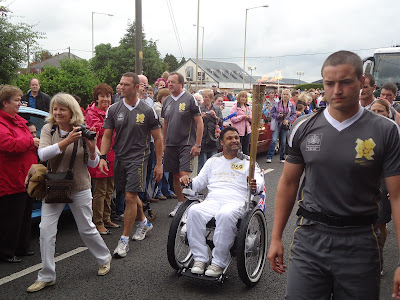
x: 133, y: 122
x: 344, y: 150
x: 183, y: 132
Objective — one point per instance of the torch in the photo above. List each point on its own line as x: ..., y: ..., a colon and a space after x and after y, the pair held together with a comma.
x: 258, y: 99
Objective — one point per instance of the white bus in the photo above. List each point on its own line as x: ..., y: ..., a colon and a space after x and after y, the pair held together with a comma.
x: 385, y: 67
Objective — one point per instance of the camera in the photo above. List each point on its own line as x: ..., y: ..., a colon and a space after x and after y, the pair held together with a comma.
x: 86, y: 133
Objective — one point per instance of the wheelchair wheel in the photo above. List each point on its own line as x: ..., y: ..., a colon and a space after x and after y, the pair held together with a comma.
x: 178, y: 246
x: 252, y: 247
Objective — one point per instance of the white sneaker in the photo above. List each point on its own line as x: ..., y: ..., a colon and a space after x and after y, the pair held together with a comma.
x: 173, y: 213
x: 269, y: 160
x: 214, y: 271
x: 282, y: 160
x: 104, y: 269
x: 198, y: 267
x: 122, y: 249
x: 141, y: 231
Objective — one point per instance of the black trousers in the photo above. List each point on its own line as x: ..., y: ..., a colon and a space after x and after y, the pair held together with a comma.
x: 15, y: 224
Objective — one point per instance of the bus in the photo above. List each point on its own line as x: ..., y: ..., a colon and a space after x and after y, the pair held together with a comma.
x: 385, y: 67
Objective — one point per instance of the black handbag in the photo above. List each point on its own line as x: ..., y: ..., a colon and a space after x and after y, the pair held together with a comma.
x: 285, y: 126
x: 59, y: 185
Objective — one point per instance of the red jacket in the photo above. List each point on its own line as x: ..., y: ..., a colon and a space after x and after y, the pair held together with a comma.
x: 95, y: 119
x: 17, y: 153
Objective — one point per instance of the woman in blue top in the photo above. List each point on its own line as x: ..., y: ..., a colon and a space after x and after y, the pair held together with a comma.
x: 283, y: 113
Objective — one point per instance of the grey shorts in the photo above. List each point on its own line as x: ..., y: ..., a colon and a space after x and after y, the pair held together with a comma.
x: 130, y: 176
x: 345, y: 262
x: 178, y: 158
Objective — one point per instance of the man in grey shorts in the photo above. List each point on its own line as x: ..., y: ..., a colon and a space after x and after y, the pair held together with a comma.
x: 344, y: 151
x: 133, y: 122
x: 183, y: 132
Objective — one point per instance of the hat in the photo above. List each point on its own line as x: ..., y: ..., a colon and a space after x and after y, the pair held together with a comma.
x: 214, y: 84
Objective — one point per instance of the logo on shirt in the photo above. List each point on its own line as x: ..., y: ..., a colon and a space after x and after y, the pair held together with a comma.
x: 120, y: 117
x: 314, y: 142
x: 139, y: 118
x: 182, y: 106
x: 365, y: 148
x: 238, y: 167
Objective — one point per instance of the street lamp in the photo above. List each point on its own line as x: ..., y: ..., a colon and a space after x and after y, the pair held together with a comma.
x: 300, y: 73
x: 245, y: 31
x: 202, y: 48
x: 99, y: 13
x: 251, y: 68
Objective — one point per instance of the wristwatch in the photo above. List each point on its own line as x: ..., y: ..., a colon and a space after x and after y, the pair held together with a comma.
x: 198, y: 145
x: 103, y: 156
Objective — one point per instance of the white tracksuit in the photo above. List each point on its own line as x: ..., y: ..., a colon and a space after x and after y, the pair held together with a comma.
x: 226, y: 180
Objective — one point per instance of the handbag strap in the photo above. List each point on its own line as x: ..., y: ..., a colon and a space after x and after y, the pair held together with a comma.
x: 72, y: 161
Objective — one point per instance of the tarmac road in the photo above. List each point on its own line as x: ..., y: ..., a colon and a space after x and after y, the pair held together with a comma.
x: 145, y: 272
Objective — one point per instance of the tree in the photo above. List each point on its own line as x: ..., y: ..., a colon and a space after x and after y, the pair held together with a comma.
x: 41, y: 56
x: 172, y: 62
x: 109, y: 63
x: 14, y: 40
x: 74, y: 77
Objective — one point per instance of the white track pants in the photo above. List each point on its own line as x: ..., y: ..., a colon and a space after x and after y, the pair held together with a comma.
x: 226, y: 216
x: 82, y: 210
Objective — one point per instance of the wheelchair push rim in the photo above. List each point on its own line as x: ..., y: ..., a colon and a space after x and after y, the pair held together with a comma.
x: 179, y: 254
x: 252, y: 247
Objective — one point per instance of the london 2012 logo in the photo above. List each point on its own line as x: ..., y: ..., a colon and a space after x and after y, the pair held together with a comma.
x: 365, y: 148
x: 313, y: 142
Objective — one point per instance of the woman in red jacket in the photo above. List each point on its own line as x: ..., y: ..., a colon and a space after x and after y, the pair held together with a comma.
x: 103, y: 185
x: 17, y: 154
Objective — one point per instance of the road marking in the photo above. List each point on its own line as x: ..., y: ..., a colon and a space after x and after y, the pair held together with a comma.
x: 39, y: 266
x: 268, y: 170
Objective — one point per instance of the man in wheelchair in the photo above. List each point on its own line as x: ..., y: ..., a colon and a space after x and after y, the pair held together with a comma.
x: 225, y: 176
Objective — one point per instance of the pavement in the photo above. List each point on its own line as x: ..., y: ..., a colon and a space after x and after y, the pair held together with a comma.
x: 145, y: 272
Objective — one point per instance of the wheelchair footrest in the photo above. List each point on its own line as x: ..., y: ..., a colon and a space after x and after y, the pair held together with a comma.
x: 187, y: 272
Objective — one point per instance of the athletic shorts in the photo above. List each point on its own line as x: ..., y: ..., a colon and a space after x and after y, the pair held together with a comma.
x: 178, y: 158
x: 130, y: 176
x: 345, y: 262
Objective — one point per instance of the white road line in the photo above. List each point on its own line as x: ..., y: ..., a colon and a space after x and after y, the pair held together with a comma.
x: 268, y: 170
x: 39, y: 266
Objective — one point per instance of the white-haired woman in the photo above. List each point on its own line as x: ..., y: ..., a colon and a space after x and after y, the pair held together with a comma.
x: 66, y: 115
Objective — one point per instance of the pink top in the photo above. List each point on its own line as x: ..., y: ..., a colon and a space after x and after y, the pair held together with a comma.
x: 238, y: 121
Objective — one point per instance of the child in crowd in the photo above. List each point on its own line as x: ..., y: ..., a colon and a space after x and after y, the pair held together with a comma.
x: 300, y: 110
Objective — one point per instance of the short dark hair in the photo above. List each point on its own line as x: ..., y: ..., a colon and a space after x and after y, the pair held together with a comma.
x: 181, y: 80
x: 344, y: 57
x: 136, y: 80
x: 390, y: 87
x: 371, y: 78
x: 101, y: 89
x: 299, y: 106
x: 382, y: 102
x: 294, y: 93
x: 225, y: 130
x: 30, y: 124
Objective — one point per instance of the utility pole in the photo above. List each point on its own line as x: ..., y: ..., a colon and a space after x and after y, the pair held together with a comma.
x: 197, y: 47
x: 69, y: 52
x: 27, y: 50
x: 138, y: 38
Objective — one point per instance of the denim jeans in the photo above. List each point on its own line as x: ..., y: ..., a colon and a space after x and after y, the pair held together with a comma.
x: 281, y: 134
x: 120, y: 203
x: 204, y: 155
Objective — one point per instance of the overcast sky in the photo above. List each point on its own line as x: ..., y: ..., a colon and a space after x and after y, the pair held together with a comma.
x: 290, y: 35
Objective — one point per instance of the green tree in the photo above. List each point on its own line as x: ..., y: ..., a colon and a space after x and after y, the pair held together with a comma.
x: 41, y: 56
x: 14, y: 40
x: 172, y: 62
x: 109, y: 63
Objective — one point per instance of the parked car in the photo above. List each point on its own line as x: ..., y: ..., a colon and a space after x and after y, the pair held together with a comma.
x: 265, y: 135
x: 37, y: 117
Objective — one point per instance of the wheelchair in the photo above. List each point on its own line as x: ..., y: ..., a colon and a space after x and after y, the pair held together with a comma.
x: 249, y: 248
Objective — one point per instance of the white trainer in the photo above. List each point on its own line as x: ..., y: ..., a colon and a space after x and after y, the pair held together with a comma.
x: 122, y: 249
x: 141, y: 231
x: 214, y: 271
x: 269, y: 160
x: 173, y: 213
x: 198, y: 267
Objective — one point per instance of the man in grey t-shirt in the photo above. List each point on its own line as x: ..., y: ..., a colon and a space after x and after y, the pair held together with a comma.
x: 133, y: 121
x: 183, y: 132
x: 344, y: 151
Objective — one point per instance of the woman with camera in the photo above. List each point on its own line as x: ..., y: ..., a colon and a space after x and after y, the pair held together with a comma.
x: 57, y: 142
x: 17, y: 154
x: 283, y: 113
x: 103, y: 185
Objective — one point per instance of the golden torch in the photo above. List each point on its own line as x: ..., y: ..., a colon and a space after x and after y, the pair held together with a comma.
x: 258, y: 99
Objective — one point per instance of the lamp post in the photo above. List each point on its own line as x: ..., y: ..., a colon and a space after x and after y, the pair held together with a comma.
x: 197, y: 45
x: 300, y: 73
x: 99, y: 13
x: 202, y: 49
x: 251, y: 68
x: 245, y: 32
